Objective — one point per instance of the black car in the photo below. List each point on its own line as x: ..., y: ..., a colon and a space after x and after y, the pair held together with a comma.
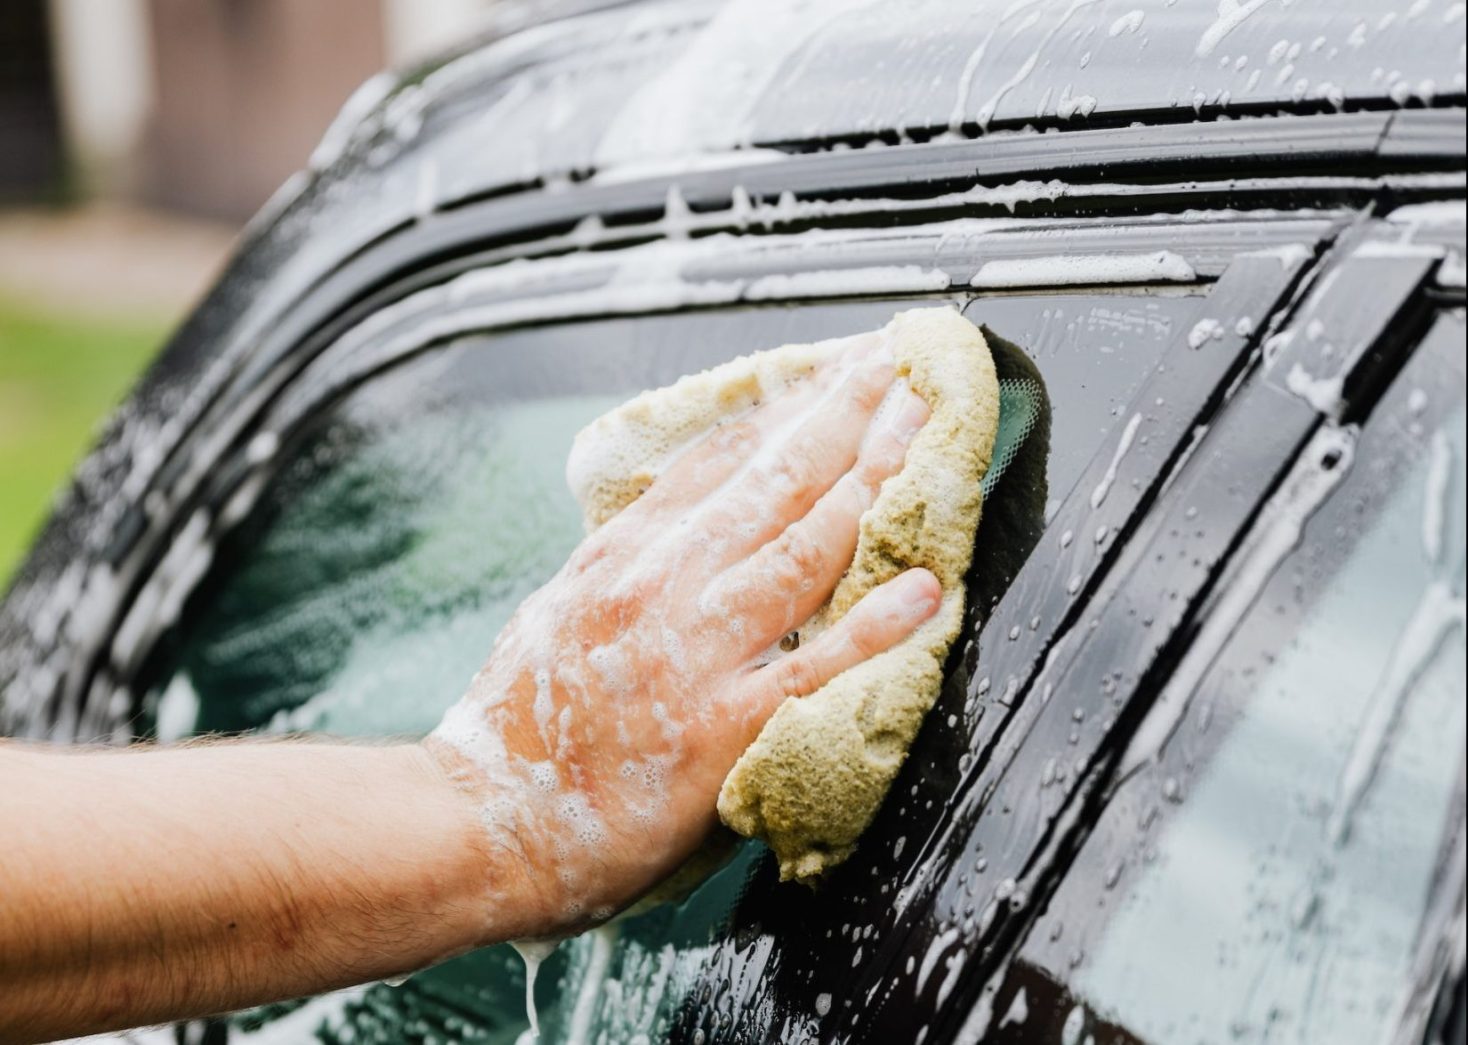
x: 1197, y: 773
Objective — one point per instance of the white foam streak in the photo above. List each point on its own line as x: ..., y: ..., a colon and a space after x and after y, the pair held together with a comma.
x: 1435, y: 504
x: 1439, y: 612
x: 1103, y: 488
x: 1061, y: 270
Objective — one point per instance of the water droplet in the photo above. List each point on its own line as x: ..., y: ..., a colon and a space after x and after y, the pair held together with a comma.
x: 1075, y: 1020
x: 1303, y: 911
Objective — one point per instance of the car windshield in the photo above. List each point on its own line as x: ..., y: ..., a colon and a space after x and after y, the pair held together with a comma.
x: 404, y: 525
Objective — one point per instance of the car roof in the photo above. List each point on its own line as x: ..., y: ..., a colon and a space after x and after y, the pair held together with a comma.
x: 657, y: 83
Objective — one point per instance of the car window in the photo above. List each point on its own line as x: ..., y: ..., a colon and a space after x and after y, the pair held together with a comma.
x: 409, y: 518
x: 1268, y: 877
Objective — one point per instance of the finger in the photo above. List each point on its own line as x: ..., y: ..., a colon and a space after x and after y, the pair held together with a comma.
x: 887, y: 615
x: 784, y: 582
x: 795, y: 468
x: 724, y: 449
x: 712, y: 458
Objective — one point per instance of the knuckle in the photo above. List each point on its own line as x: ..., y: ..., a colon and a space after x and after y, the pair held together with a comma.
x: 785, y: 576
x: 735, y: 436
x: 621, y: 603
x: 795, y: 474
x: 859, y: 490
x: 884, y: 456
x: 805, y: 557
x: 797, y: 677
x: 866, y: 636
x: 869, y: 389
x: 591, y: 551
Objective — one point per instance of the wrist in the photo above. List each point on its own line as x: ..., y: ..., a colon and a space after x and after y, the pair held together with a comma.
x: 496, y: 865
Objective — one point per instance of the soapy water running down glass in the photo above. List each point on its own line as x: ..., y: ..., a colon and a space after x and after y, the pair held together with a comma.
x: 581, y: 767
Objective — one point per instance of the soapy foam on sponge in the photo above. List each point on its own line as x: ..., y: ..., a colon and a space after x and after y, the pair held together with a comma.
x: 816, y: 775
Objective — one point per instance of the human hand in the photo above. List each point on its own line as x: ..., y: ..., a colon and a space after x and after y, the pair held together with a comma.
x: 595, y: 739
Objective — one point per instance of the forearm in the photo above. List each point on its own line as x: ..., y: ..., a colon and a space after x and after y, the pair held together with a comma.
x: 142, y: 886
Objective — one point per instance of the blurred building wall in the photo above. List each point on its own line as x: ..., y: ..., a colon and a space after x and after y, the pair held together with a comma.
x: 30, y: 132
x: 202, y: 106
x: 104, y: 83
x: 244, y: 89
x: 415, y: 29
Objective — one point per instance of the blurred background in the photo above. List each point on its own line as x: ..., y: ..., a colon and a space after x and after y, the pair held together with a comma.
x: 136, y: 137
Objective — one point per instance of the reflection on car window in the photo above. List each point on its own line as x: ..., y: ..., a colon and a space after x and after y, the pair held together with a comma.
x: 360, y: 609
x: 1279, y: 895
x: 401, y: 531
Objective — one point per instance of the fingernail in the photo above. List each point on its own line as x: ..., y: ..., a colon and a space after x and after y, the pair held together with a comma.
x: 920, y: 593
x: 903, y: 413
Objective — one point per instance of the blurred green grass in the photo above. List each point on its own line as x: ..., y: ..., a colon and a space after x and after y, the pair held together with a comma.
x: 60, y: 376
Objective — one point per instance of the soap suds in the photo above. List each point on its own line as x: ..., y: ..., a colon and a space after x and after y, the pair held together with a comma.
x: 1322, y: 393
x: 533, y: 953
x: 1123, y: 446
x: 1063, y: 270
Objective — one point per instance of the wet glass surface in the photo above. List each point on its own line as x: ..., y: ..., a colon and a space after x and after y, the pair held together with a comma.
x: 1268, y: 878
x: 406, y: 524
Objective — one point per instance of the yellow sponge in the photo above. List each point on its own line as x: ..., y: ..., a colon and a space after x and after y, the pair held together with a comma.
x: 816, y: 775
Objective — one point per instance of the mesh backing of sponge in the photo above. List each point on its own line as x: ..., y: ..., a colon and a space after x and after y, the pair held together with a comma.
x: 1021, y: 405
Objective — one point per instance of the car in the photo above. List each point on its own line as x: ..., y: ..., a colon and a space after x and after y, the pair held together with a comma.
x: 1197, y: 770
